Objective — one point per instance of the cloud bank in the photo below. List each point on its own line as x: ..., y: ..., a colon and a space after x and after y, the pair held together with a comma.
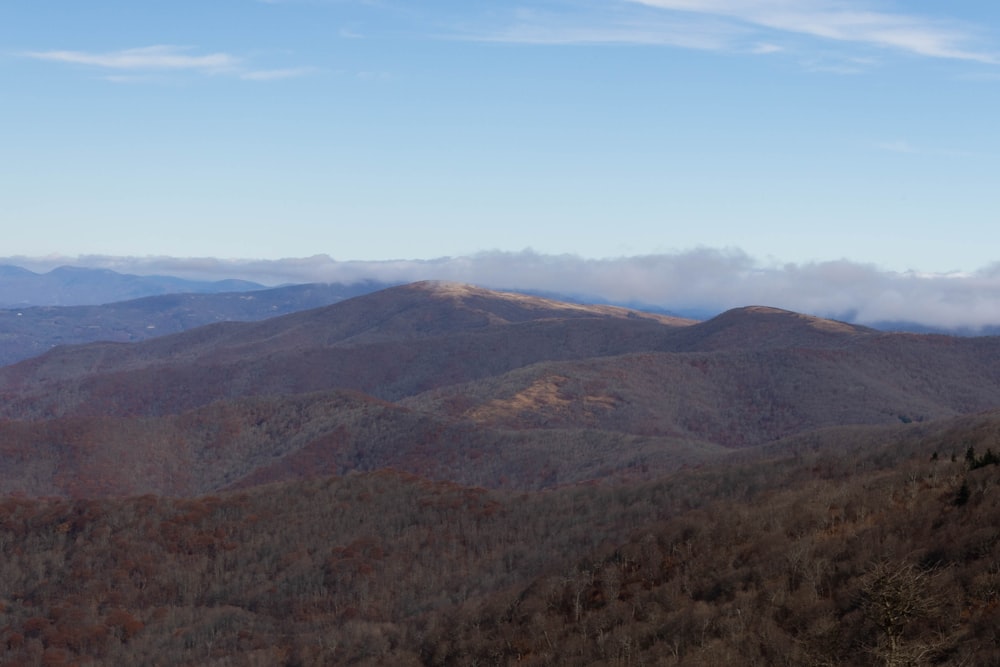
x: 706, y: 280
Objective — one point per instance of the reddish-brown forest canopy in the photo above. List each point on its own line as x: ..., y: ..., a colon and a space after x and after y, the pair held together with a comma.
x: 437, y: 474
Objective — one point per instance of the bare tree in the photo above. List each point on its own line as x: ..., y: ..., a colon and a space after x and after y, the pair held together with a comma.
x: 894, y: 596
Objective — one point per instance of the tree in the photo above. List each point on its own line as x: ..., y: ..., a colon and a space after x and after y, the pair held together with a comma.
x: 894, y: 596
x: 962, y: 495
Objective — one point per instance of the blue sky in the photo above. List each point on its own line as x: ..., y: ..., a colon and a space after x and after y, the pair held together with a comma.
x: 800, y: 132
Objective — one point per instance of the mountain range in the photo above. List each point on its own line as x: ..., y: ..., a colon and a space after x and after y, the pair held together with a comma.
x: 459, y: 383
x: 441, y: 474
x: 77, y: 286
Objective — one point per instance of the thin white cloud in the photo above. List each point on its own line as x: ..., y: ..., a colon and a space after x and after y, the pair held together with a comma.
x: 897, y: 146
x: 158, y: 57
x: 575, y: 24
x: 833, y: 64
x: 550, y: 30
x: 150, y: 63
x: 132, y: 78
x: 706, y: 280
x: 276, y: 74
x: 350, y: 33
x: 844, y: 21
x: 904, y: 147
x: 738, y: 26
x: 765, y: 48
x: 367, y: 75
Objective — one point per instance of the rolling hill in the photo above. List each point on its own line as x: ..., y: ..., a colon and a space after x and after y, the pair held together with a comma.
x: 248, y: 442
x: 391, y: 344
x: 77, y: 286
x: 437, y: 474
x: 454, y: 382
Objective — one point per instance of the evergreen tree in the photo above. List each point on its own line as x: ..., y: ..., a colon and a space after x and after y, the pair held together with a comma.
x: 962, y: 496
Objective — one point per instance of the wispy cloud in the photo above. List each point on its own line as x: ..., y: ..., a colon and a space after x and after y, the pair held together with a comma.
x: 897, y: 146
x: 350, y: 33
x: 367, y: 75
x: 708, y: 280
x: 145, y: 64
x: 904, y: 147
x: 838, y: 64
x: 276, y: 74
x: 614, y: 23
x: 740, y: 26
x: 548, y: 29
x: 765, y: 48
x: 159, y: 57
x: 846, y: 21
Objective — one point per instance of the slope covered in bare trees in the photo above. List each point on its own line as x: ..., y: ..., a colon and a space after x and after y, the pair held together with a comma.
x: 437, y: 474
x: 835, y: 554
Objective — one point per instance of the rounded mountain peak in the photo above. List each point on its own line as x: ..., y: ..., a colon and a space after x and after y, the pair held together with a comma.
x: 756, y: 327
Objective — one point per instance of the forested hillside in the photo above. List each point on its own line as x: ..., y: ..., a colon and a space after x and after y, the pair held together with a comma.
x: 457, y: 383
x: 835, y: 555
x: 437, y: 474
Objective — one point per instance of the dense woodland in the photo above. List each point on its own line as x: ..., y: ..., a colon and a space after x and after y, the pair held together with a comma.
x: 443, y: 475
x: 828, y: 555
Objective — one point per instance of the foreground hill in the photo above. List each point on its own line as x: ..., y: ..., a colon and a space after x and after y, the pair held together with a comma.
x: 28, y: 332
x: 851, y: 553
x: 252, y: 441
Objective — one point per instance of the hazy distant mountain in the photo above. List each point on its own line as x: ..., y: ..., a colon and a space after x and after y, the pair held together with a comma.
x: 914, y: 327
x: 27, y: 332
x: 75, y: 286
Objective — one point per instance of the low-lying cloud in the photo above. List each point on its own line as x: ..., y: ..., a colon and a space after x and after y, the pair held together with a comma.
x: 705, y: 280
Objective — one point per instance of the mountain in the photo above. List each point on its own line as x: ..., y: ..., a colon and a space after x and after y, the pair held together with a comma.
x: 27, y: 332
x: 437, y: 474
x: 75, y: 286
x: 745, y: 377
x: 455, y: 382
x: 390, y: 344
x: 740, y: 382
x: 762, y: 327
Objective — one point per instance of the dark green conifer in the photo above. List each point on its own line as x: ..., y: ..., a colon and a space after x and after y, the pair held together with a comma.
x: 962, y: 495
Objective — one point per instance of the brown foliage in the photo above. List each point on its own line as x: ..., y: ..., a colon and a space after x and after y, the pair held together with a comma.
x: 813, y: 558
x: 841, y: 545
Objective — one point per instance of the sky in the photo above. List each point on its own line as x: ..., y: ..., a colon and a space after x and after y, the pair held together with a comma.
x: 779, y: 134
